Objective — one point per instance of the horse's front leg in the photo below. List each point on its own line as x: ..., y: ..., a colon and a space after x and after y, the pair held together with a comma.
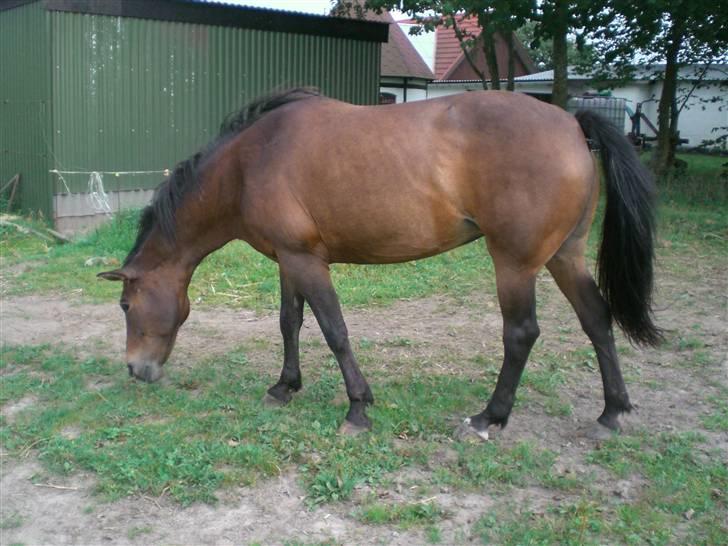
x: 291, y: 319
x: 310, y: 277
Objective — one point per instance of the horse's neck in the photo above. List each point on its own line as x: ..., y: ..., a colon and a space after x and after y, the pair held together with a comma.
x: 194, y: 239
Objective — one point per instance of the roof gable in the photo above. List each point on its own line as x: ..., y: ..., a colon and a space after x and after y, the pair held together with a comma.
x: 450, y: 61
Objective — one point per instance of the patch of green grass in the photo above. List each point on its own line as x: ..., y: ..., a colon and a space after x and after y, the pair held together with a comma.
x: 680, y: 480
x: 681, y: 498
x: 11, y: 521
x: 575, y: 524
x: 703, y: 181
x: 433, y: 534
x: 136, y: 532
x: 501, y: 467
x: 206, y: 429
x: 404, y: 515
x: 717, y: 420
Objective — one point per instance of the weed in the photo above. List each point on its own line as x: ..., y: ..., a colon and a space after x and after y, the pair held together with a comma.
x: 136, y: 532
x: 404, y: 515
x: 717, y: 420
x: 433, y: 534
x: 11, y: 521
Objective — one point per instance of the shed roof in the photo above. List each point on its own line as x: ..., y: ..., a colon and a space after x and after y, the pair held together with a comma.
x: 219, y: 14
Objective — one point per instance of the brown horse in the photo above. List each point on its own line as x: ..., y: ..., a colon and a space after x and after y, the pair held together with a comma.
x: 309, y: 181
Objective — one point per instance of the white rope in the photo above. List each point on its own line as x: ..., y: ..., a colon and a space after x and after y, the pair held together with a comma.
x: 96, y: 196
x: 165, y: 172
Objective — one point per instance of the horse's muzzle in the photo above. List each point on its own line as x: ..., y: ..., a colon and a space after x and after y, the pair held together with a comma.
x: 148, y: 372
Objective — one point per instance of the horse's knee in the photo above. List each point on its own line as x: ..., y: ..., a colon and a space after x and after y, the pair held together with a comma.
x: 521, y: 335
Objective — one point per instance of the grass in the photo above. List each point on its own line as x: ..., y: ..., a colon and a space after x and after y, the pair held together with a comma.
x: 187, y: 441
x: 702, y: 181
x: 683, y: 500
x: 206, y: 431
x: 403, y: 515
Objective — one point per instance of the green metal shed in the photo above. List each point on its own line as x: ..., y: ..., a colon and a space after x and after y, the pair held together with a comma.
x: 99, y: 97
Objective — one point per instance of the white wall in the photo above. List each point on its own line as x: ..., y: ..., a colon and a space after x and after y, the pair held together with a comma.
x: 698, y: 118
x: 695, y: 124
x: 412, y: 94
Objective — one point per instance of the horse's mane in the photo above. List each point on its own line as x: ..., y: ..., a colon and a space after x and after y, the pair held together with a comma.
x: 170, y: 194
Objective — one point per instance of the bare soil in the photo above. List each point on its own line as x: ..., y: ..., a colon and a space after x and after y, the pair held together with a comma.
x: 668, y: 388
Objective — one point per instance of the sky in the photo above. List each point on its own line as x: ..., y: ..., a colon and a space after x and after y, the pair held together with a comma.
x: 317, y: 7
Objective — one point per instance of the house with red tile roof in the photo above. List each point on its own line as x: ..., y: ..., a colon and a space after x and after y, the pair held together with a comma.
x: 405, y: 76
x: 451, y: 64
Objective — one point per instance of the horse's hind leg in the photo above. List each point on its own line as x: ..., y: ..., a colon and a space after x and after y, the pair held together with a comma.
x: 309, y: 275
x: 291, y: 319
x: 516, y: 294
x: 577, y: 284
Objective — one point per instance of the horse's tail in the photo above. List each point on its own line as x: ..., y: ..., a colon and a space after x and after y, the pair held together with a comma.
x: 626, y: 254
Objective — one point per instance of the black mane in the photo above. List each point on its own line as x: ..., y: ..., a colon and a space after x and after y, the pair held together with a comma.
x: 170, y: 194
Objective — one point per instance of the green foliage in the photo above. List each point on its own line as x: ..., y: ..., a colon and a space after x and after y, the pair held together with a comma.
x: 403, y: 515
x: 541, y: 49
x: 666, y: 33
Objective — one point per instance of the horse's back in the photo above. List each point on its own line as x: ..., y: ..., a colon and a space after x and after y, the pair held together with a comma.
x: 392, y: 183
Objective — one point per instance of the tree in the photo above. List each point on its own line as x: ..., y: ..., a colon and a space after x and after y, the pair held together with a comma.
x: 675, y: 33
x: 541, y: 49
x: 502, y: 17
x: 554, y: 21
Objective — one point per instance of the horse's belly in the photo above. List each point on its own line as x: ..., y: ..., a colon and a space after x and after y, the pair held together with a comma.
x: 398, y: 242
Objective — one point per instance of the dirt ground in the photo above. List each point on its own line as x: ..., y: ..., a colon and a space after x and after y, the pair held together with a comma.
x: 691, y: 300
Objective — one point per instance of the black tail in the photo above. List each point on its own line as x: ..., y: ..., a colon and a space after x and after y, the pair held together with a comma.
x: 627, y: 253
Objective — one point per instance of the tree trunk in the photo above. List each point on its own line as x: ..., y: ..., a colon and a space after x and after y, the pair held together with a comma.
x: 560, y: 91
x: 491, y: 57
x: 463, y: 39
x: 511, y: 85
x: 664, y: 156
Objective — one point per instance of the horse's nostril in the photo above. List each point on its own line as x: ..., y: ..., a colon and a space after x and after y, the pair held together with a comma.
x: 131, y: 369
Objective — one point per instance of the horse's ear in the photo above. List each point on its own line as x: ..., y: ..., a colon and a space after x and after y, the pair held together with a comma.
x: 115, y: 275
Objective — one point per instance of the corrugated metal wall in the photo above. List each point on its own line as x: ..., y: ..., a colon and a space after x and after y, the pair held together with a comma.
x: 25, y: 105
x: 138, y: 95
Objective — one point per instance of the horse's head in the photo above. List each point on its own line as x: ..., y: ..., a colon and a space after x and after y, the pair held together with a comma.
x: 155, y: 305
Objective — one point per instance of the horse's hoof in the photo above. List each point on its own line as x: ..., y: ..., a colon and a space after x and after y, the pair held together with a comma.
x: 601, y: 433
x: 466, y: 432
x: 272, y: 402
x: 348, y: 428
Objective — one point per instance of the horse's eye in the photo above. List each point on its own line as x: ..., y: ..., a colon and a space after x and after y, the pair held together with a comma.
x: 124, y: 306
